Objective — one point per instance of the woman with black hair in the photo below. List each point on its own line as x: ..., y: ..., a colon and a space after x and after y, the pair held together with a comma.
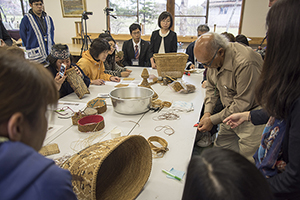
x: 163, y: 40
x: 111, y: 67
x: 60, y: 55
x: 92, y: 62
x: 278, y: 93
x: 224, y: 174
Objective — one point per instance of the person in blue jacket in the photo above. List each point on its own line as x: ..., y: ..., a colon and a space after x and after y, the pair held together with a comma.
x: 37, y: 32
x: 60, y: 55
x: 27, y: 89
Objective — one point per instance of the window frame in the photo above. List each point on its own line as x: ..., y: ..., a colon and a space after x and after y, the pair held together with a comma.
x: 170, y: 7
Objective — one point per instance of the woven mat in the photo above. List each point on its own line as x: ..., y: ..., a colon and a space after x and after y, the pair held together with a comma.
x: 128, y: 79
x: 121, y: 85
x: 49, y: 149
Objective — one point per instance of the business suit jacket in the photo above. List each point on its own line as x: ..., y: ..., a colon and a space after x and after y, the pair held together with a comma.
x: 144, y: 58
x: 170, y: 42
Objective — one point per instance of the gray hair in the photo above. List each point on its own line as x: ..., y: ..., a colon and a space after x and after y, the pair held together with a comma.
x: 203, y: 28
x: 218, y: 41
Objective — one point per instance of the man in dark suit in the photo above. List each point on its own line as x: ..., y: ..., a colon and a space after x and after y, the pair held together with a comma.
x: 136, y: 50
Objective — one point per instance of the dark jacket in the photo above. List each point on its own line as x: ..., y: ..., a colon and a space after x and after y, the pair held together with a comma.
x: 144, y: 58
x: 286, y: 185
x: 4, y: 35
x: 66, y: 87
x: 191, y: 59
x: 26, y: 174
x: 170, y: 42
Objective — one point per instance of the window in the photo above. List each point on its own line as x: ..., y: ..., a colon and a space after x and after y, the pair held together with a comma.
x: 144, y: 12
x: 223, y: 15
x: 12, y: 12
x: 189, y: 14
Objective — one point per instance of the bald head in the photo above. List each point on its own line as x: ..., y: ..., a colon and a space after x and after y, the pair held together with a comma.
x: 203, y: 47
x: 208, y: 47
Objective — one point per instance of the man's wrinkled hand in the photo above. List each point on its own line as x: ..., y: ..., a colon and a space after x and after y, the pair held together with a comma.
x: 205, y: 124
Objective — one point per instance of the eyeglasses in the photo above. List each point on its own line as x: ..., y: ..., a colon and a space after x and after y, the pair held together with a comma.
x: 65, y: 112
x: 209, y: 64
x: 37, y: 4
x: 136, y: 33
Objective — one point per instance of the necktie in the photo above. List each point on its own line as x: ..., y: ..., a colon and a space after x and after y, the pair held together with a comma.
x: 136, y: 52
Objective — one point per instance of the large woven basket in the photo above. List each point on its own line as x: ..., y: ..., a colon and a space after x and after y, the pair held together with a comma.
x: 170, y: 64
x: 113, y: 169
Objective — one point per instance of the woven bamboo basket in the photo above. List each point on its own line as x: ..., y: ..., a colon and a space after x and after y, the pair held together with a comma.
x: 113, y: 169
x: 91, y: 123
x: 76, y: 83
x: 170, y: 64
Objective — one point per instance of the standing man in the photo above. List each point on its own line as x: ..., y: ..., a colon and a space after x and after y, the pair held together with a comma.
x: 233, y: 71
x: 192, y: 61
x: 37, y: 32
x: 136, y: 50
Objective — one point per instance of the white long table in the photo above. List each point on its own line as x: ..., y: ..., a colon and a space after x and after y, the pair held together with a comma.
x: 180, y: 144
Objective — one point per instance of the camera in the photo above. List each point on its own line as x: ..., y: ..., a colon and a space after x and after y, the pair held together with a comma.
x: 87, y: 13
x: 108, y: 9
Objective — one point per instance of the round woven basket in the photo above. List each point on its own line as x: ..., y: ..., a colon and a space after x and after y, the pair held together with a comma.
x: 91, y: 123
x: 113, y: 169
x: 99, y: 104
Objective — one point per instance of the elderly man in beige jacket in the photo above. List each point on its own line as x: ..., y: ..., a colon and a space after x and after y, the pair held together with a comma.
x: 233, y: 70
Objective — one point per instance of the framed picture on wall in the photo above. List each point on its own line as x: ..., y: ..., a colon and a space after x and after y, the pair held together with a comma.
x: 73, y: 8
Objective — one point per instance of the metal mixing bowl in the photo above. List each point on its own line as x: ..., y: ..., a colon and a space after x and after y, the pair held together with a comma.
x: 131, y: 100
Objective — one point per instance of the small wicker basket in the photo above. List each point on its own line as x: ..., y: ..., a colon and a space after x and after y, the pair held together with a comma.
x: 99, y: 104
x: 91, y: 123
x: 170, y: 64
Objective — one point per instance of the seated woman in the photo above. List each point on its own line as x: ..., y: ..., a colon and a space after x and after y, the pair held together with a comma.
x: 27, y: 89
x: 242, y: 39
x: 60, y: 55
x: 278, y: 92
x: 111, y: 67
x: 229, y: 36
x: 92, y: 62
x: 224, y: 174
x: 163, y: 40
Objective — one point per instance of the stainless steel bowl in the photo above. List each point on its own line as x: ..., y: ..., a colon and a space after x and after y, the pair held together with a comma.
x: 131, y: 100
